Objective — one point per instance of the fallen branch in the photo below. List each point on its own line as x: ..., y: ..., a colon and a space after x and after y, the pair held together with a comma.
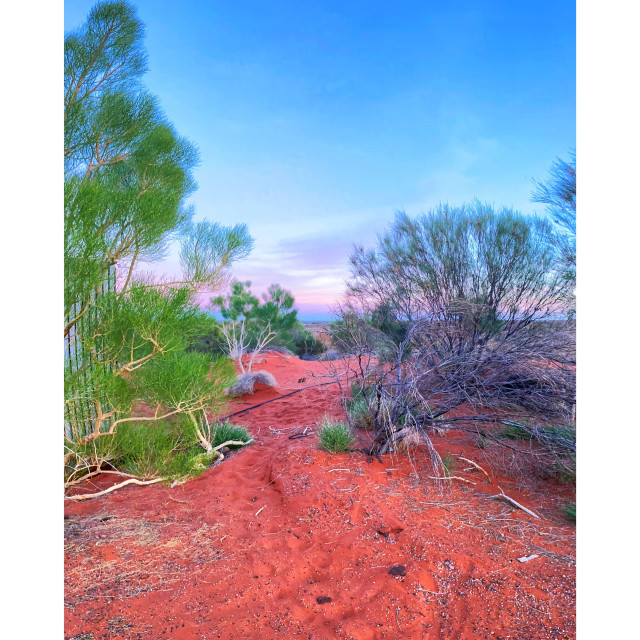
x: 231, y: 443
x: 452, y: 478
x: 513, y: 502
x: 238, y: 443
x: 477, y: 466
x: 98, y: 472
x: 88, y: 496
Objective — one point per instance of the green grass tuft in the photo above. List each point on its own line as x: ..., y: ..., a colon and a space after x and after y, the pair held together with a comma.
x: 570, y: 511
x: 227, y: 431
x: 361, y: 415
x: 335, y: 436
x: 168, y: 449
x: 512, y: 432
x: 449, y: 463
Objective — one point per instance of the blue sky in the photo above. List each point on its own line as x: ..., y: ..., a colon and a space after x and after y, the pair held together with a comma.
x: 316, y: 121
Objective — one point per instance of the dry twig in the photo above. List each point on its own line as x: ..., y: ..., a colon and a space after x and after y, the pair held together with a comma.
x: 503, y: 496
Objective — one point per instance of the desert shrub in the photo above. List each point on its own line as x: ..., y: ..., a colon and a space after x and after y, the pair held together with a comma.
x: 359, y: 391
x: 570, y: 511
x: 304, y: 343
x: 514, y: 432
x: 265, y: 378
x: 335, y: 436
x: 449, y: 463
x: 227, y: 431
x: 448, y: 309
x: 245, y: 384
x: 407, y: 443
x: 274, y: 315
x: 329, y: 355
x: 167, y: 449
x: 361, y: 415
x: 211, y: 343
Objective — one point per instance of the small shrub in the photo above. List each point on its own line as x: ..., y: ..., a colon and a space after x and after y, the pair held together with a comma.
x: 414, y: 439
x: 227, y: 431
x: 570, y: 511
x: 329, y: 355
x: 361, y: 415
x: 335, y: 436
x: 449, y: 463
x: 265, y: 378
x: 304, y: 343
x: 243, y: 386
x: 513, y: 432
x: 168, y: 449
x: 565, y: 471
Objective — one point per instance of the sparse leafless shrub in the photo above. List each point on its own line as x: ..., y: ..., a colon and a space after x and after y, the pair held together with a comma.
x: 238, y: 343
x: 460, y: 307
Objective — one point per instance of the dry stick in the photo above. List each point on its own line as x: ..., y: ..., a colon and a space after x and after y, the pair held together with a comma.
x: 97, y: 473
x: 311, y: 386
x: 452, y: 478
x: 477, y: 466
x: 88, y: 496
x: 236, y: 443
x: 514, y: 503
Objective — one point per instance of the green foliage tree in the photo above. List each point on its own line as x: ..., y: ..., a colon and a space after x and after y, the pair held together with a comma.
x: 275, y: 311
x: 127, y: 174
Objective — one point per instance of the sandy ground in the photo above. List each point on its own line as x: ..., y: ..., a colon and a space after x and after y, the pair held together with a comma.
x: 282, y: 540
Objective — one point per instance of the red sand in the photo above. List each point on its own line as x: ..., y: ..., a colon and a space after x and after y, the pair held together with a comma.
x: 247, y: 549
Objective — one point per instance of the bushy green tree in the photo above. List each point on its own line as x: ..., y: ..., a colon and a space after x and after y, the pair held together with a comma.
x: 127, y: 174
x: 275, y: 311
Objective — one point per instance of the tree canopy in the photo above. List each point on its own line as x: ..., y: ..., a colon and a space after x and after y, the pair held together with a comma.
x: 127, y: 176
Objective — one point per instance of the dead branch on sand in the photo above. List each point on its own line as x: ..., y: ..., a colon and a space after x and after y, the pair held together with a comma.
x: 452, y: 478
x: 502, y: 495
x: 477, y: 466
x: 88, y: 496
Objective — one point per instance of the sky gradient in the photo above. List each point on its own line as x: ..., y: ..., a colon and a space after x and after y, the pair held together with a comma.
x: 316, y: 121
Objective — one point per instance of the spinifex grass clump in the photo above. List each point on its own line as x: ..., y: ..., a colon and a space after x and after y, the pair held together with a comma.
x: 449, y: 464
x: 227, y: 432
x: 245, y: 384
x: 335, y: 436
x: 361, y: 415
x: 167, y: 449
